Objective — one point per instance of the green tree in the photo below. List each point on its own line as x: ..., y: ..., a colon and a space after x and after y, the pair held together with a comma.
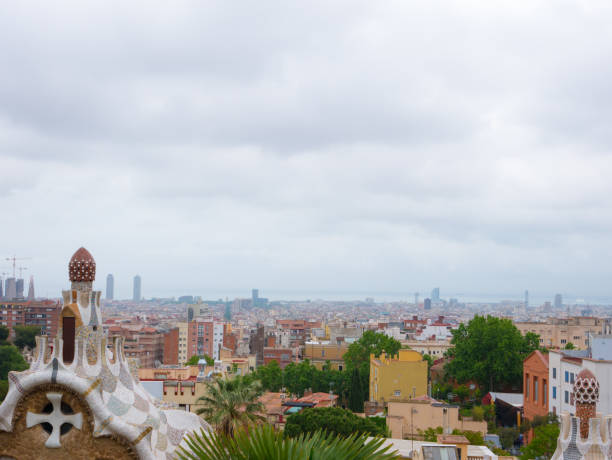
x: 478, y: 413
x: 489, y: 351
x: 331, y: 419
x: 544, y: 442
x: 231, y: 405
x: 569, y: 346
x: 264, y: 443
x: 430, y: 361
x: 4, y: 333
x: 356, y: 398
x: 299, y: 377
x: 10, y: 360
x: 358, y: 355
x: 475, y: 437
x: 25, y: 336
x: 193, y: 361
x: 507, y: 436
x: 270, y: 375
x: 431, y: 434
x: 3, y: 389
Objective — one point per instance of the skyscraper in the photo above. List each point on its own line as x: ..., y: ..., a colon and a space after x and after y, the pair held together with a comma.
x: 435, y: 295
x: 31, y: 294
x: 137, y: 288
x: 110, y: 287
x: 427, y: 304
x: 19, y: 287
x: 255, y: 296
x: 1, y: 292
x: 10, y: 288
x: 558, y: 301
x: 526, y: 298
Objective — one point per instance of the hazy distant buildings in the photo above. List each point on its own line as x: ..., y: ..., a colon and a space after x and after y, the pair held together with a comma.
x: 558, y: 301
x: 258, y: 302
x: 435, y: 295
x: 19, y: 288
x: 1, y: 285
x: 526, y: 298
x: 137, y: 288
x: 10, y: 288
x: 31, y: 294
x: 110, y: 287
x: 427, y: 304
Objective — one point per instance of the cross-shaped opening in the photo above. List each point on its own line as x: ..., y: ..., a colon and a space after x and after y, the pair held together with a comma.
x: 66, y: 410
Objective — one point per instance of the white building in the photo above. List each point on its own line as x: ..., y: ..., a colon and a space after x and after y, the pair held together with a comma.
x: 563, y: 366
x: 217, y: 339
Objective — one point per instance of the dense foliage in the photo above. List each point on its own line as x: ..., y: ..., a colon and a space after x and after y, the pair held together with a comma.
x: 296, y: 378
x: 263, y: 443
x: 231, y: 405
x: 489, y: 351
x: 331, y: 419
x: 10, y: 360
x: 4, y: 333
x: 25, y: 336
x: 544, y: 442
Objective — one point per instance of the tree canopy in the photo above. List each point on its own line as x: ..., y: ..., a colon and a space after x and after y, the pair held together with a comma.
x: 489, y: 351
x: 543, y: 443
x: 332, y: 420
x: 4, y: 333
x: 25, y: 336
x: 10, y: 360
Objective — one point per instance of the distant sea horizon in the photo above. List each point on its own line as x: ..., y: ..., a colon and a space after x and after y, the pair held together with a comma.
x: 535, y: 299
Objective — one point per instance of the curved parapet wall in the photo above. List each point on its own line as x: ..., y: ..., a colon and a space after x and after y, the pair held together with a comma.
x: 572, y: 446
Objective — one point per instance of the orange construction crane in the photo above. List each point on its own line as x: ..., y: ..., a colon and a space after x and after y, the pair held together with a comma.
x: 14, y: 260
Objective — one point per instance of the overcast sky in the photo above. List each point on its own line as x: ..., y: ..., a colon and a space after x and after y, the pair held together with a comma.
x: 310, y: 146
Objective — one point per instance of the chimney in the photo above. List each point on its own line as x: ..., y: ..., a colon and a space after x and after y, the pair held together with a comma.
x: 586, y: 395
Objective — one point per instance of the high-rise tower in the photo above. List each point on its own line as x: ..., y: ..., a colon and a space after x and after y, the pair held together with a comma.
x: 558, y: 301
x: 110, y: 287
x: 435, y: 295
x: 137, y: 288
x: 10, y: 288
x: 31, y: 294
x: 1, y: 292
x: 19, y: 288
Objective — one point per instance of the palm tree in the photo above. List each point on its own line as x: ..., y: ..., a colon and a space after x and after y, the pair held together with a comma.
x: 264, y: 443
x: 231, y: 404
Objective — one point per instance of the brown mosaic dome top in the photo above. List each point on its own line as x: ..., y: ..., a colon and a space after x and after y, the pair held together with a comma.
x: 82, y: 266
x: 586, y: 388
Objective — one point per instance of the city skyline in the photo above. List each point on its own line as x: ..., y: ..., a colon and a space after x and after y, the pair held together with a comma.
x: 322, y: 149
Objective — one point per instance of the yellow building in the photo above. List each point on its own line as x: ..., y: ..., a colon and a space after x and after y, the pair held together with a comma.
x: 399, y: 378
x: 319, y: 354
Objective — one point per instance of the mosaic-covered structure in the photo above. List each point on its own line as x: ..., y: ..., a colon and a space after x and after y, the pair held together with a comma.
x: 80, y: 399
x: 587, y: 435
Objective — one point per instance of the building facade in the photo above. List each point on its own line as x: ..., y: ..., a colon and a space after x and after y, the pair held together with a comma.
x: 558, y: 332
x: 535, y: 387
x: 110, y: 287
x: 400, y: 378
x: 137, y: 288
x: 320, y: 353
x: 43, y: 313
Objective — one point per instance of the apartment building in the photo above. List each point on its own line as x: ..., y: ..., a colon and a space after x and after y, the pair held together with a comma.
x: 43, y: 313
x: 320, y: 353
x: 558, y: 332
x: 397, y: 378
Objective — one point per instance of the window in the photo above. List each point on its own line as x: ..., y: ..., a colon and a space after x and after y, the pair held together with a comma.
x: 566, y: 397
x: 535, y: 388
x: 571, y: 377
x: 322, y: 352
x: 566, y: 376
x: 397, y: 393
x: 554, y: 372
x: 554, y: 392
x: 563, y: 341
x: 527, y: 386
x: 544, y: 392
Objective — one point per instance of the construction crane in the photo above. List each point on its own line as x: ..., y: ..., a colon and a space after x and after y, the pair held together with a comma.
x: 14, y: 260
x: 21, y: 269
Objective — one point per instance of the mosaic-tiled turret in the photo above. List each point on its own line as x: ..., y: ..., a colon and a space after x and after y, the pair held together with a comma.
x: 79, y: 398
x: 586, y: 435
x: 82, y: 303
